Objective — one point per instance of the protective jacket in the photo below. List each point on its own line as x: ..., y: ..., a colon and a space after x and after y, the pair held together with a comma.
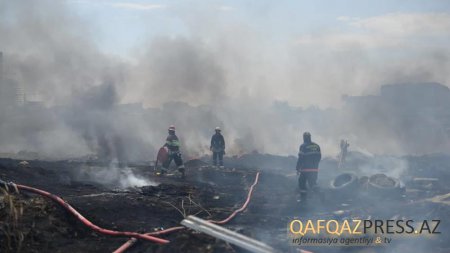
x: 309, y: 157
x: 217, y: 143
x: 172, y: 143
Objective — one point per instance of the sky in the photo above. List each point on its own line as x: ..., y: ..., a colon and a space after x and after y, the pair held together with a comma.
x: 321, y: 49
x: 231, y: 60
x: 120, y: 26
x: 307, y: 53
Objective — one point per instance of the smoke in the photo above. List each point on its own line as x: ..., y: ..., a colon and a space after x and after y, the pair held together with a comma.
x: 396, y: 167
x: 261, y: 90
x: 112, y: 176
x: 179, y: 70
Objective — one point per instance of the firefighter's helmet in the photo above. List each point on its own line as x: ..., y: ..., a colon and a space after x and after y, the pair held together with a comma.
x: 306, y: 137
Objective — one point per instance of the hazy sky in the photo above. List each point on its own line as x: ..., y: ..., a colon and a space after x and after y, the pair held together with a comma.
x: 303, y: 52
x: 121, y: 25
x: 234, y: 58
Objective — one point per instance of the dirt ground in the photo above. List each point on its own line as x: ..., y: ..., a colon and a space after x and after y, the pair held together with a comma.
x: 30, y: 223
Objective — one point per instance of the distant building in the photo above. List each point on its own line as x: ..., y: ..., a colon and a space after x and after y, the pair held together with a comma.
x: 415, y: 115
x: 1, y: 65
x: 407, y: 96
x: 11, y: 95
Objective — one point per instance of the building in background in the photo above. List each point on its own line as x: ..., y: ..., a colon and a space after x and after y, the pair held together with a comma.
x: 11, y: 93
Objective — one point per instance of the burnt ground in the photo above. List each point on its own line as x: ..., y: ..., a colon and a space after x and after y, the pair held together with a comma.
x: 34, y: 224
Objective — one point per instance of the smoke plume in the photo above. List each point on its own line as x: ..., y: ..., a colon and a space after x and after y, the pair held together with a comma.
x: 64, y: 96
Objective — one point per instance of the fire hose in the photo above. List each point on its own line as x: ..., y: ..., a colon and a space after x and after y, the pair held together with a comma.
x: 80, y: 217
x: 132, y: 241
x: 249, y: 196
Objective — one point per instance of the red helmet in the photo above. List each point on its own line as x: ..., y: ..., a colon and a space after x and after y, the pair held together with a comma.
x: 171, y: 128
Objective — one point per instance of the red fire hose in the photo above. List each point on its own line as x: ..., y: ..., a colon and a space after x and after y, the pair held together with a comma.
x: 249, y: 196
x: 86, y: 221
x: 132, y: 241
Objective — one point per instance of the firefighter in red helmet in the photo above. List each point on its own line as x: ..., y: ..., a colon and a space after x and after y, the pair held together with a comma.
x: 173, y: 146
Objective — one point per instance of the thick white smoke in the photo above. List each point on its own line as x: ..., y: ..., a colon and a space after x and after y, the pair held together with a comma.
x: 225, y: 72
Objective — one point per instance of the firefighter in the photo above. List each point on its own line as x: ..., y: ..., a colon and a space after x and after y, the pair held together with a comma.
x: 173, y: 145
x: 217, y: 147
x: 308, y: 165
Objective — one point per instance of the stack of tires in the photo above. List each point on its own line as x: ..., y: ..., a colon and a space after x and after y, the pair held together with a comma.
x: 378, y: 185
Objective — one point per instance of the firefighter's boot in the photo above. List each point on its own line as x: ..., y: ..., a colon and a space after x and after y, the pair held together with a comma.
x: 182, y: 171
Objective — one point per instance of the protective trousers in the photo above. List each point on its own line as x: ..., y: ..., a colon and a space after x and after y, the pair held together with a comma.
x: 175, y: 156
x: 218, y: 156
x: 308, y: 178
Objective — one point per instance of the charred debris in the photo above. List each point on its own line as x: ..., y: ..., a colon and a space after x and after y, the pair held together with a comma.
x: 367, y: 186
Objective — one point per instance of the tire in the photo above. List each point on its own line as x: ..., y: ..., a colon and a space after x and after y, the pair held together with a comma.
x: 382, y: 185
x: 345, y: 182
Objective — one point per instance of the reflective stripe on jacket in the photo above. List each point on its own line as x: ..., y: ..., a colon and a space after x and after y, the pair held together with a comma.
x: 172, y: 142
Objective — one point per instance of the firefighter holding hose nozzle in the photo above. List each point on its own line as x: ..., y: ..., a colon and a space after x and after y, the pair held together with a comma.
x: 308, y: 165
x: 173, y: 146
